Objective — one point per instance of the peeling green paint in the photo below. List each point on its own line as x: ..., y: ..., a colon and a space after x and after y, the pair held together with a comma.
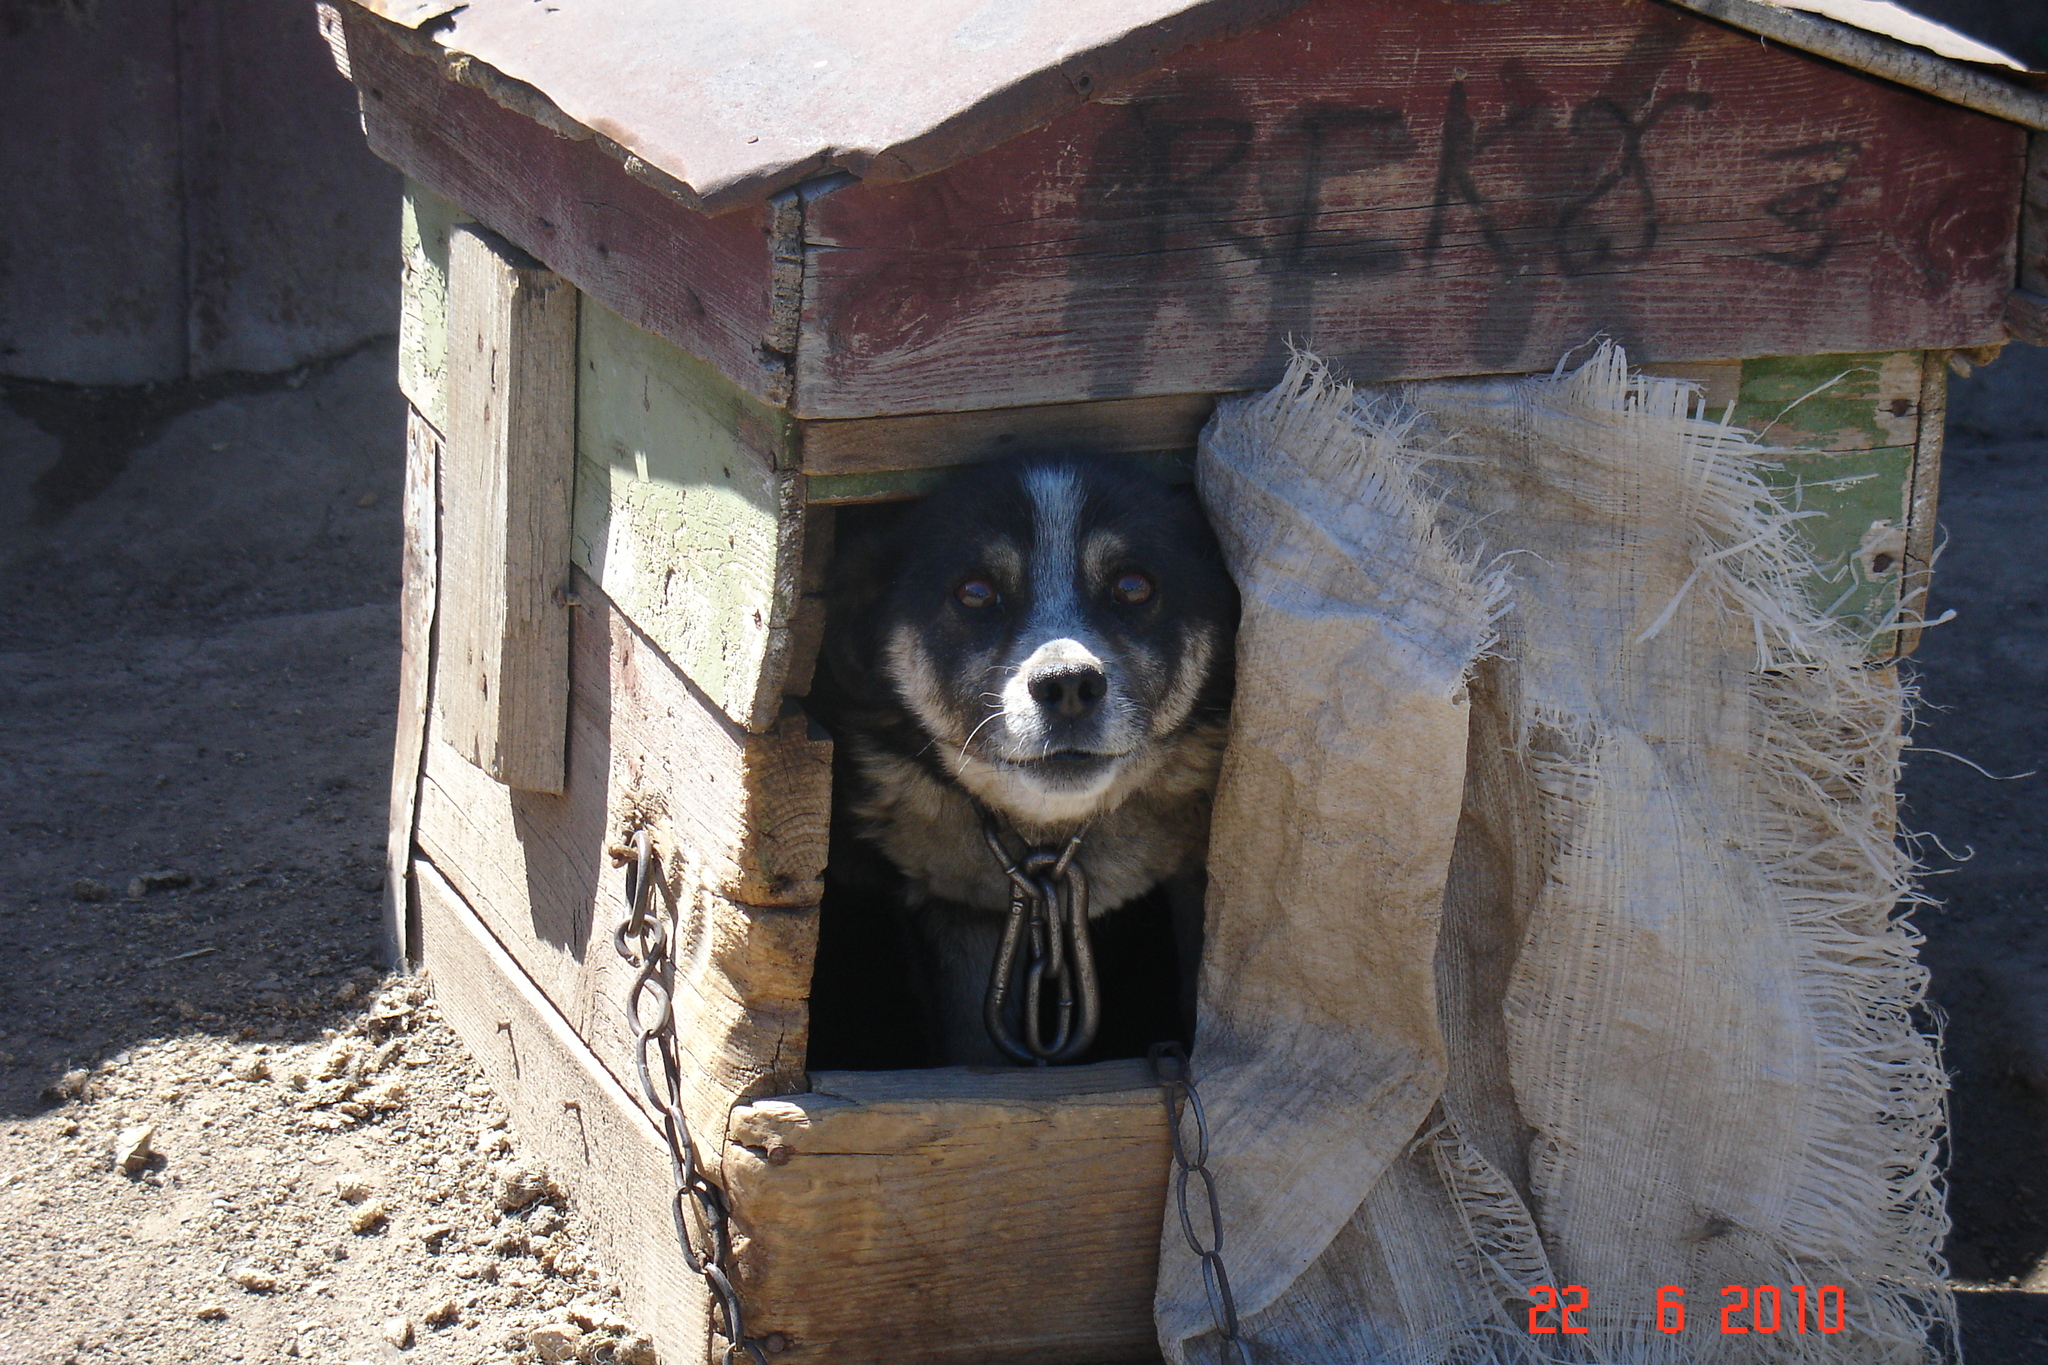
x: 679, y: 516
x: 1848, y: 426
x: 423, y: 224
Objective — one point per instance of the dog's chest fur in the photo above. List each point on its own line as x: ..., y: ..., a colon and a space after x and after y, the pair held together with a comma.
x: 932, y: 830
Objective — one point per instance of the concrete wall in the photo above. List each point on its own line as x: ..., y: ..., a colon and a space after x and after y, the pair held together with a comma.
x: 186, y: 192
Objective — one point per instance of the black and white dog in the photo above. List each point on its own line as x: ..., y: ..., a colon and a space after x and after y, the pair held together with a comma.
x: 1046, y: 640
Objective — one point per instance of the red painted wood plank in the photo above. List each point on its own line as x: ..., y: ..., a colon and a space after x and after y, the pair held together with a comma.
x: 701, y: 283
x: 1418, y: 188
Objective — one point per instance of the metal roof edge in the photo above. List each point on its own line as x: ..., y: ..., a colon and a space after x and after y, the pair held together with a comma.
x: 1877, y: 55
x: 1030, y: 102
x: 1078, y: 78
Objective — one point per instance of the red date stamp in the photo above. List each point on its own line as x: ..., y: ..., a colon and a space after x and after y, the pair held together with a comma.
x: 1760, y: 1308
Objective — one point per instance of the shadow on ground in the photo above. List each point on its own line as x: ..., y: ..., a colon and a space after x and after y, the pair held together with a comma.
x: 197, y: 673
x: 1983, y: 680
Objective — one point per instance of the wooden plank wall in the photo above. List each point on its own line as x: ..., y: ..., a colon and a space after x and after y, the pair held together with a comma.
x: 2027, y: 314
x: 503, y: 664
x: 968, y: 1217
x: 1502, y: 192
x: 741, y: 821
x: 425, y: 220
x: 688, y: 512
x: 1851, y: 427
x: 704, y: 284
x: 418, y: 593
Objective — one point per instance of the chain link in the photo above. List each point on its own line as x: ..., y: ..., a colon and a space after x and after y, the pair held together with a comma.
x: 643, y: 940
x: 1046, y: 943
x: 1170, y: 1068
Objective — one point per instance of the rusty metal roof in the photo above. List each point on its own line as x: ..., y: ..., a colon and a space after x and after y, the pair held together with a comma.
x: 723, y: 102
x: 735, y: 99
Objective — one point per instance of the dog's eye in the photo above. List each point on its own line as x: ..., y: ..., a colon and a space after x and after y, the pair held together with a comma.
x: 976, y: 593
x: 1132, y: 589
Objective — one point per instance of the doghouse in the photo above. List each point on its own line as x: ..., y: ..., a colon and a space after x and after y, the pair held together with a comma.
x: 680, y: 281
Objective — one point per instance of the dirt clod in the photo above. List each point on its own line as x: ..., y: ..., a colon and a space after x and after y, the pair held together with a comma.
x: 166, y: 880
x: 253, y: 1278
x: 555, y: 1341
x: 132, y: 1150
x: 524, y: 1184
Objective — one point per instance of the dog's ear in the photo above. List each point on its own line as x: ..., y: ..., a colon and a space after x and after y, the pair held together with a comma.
x: 861, y: 579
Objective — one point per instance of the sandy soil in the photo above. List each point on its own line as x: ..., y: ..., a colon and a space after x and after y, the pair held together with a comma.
x: 197, y: 673
x: 197, y: 679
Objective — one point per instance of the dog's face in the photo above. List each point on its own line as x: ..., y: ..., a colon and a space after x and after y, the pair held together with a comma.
x: 1053, y: 624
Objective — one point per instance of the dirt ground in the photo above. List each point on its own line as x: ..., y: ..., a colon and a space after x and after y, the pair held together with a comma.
x: 197, y: 672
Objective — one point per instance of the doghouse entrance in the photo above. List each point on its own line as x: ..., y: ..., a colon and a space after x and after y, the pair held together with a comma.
x: 868, y: 995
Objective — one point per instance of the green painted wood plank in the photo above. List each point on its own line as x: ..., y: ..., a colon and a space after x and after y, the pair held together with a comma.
x: 688, y: 512
x: 423, y: 224
x: 1849, y: 426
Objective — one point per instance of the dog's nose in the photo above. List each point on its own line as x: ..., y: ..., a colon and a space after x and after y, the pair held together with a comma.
x: 1071, y: 691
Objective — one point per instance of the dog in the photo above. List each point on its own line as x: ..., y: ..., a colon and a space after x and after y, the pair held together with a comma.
x: 1040, y: 647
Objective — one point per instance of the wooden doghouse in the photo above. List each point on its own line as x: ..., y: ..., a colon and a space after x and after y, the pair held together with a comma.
x: 682, y: 279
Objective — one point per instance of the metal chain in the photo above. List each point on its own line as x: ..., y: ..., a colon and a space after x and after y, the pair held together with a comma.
x: 1048, y: 921
x: 1170, y: 1068
x: 643, y: 940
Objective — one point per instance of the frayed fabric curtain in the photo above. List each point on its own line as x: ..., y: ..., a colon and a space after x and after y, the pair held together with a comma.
x: 1555, y: 913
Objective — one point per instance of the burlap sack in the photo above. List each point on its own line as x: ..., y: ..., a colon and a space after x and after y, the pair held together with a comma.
x: 1555, y: 918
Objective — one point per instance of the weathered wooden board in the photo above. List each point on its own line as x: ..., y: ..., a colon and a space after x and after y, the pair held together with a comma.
x: 953, y: 1216
x: 701, y: 283
x: 417, y: 588
x: 741, y: 821
x: 937, y: 440
x: 2033, y: 272
x: 1481, y: 203
x: 2026, y: 313
x: 1916, y: 582
x: 424, y: 222
x: 507, y: 471
x: 687, y: 512
x: 570, y: 1113
x: 1851, y: 427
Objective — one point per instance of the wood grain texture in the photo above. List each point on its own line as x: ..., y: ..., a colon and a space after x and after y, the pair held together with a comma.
x: 1848, y: 427
x: 571, y: 1113
x: 687, y: 512
x: 953, y: 1216
x: 1923, y: 500
x: 701, y: 283
x: 2033, y: 271
x: 424, y: 222
x: 1503, y: 192
x: 508, y: 466
x: 417, y: 585
x: 2026, y: 317
x: 937, y: 440
x: 741, y: 822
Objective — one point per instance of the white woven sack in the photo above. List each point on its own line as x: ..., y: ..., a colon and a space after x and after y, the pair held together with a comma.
x: 1556, y: 927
